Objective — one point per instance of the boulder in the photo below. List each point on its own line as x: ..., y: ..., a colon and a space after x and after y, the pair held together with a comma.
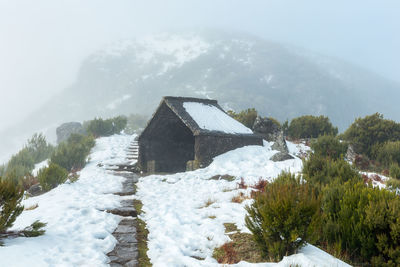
x: 35, y: 190
x: 66, y: 129
x: 271, y: 132
x: 281, y: 156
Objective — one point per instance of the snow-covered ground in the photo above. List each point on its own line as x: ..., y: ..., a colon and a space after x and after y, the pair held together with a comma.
x: 78, y: 233
x: 185, y: 212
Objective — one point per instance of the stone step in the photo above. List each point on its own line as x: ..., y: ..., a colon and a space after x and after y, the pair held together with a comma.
x: 125, y: 252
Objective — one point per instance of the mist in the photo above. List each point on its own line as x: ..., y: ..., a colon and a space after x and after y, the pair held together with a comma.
x: 43, y: 42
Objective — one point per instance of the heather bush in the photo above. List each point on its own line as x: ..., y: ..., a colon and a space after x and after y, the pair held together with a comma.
x: 72, y: 154
x: 246, y: 117
x: 320, y: 171
x: 10, y: 203
x: 135, y: 122
x: 394, y: 171
x: 363, y: 221
x: 284, y: 217
x: 311, y: 127
x: 387, y: 153
x: 329, y: 146
x: 366, y: 132
x: 99, y: 127
x: 52, y: 176
x: 21, y: 164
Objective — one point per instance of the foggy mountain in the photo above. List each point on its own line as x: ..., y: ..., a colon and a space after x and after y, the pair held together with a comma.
x: 238, y: 70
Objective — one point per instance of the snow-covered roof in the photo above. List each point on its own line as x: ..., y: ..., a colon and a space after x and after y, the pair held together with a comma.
x: 211, y: 118
x: 204, y: 116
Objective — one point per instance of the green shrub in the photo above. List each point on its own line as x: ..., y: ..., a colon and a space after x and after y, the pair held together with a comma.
x: 329, y: 146
x: 284, y: 217
x: 394, y: 171
x: 39, y: 148
x: 246, y: 117
x: 387, y: 153
x: 99, y: 127
x: 393, y: 184
x: 21, y: 164
x: 35, y: 229
x: 135, y: 122
x: 10, y: 203
x: 52, y: 176
x: 366, y: 132
x: 72, y: 154
x: 363, y: 221
x: 311, y: 127
x: 320, y: 171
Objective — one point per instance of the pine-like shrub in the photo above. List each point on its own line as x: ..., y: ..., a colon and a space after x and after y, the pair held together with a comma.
x: 246, y: 117
x: 320, y: 171
x: 387, y: 153
x: 363, y: 221
x: 10, y: 203
x: 366, y: 132
x: 329, y: 146
x: 284, y: 217
x: 72, y: 154
x: 394, y: 171
x: 99, y: 127
x: 311, y: 127
x: 52, y: 176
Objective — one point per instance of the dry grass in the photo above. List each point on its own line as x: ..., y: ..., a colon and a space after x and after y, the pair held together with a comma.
x: 212, y: 217
x: 242, y: 248
x: 225, y: 177
x: 32, y: 207
x: 208, y: 203
x: 239, y: 198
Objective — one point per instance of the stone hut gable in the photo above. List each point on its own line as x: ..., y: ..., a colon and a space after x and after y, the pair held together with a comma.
x: 173, y: 138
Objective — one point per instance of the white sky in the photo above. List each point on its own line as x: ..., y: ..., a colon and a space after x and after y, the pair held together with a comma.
x: 42, y: 42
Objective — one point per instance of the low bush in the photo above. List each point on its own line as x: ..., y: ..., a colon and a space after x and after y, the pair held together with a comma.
x: 329, y: 146
x: 72, y: 154
x: 366, y: 132
x: 99, y: 127
x: 363, y: 221
x: 387, y: 153
x: 21, y: 164
x: 320, y: 171
x: 246, y: 117
x: 284, y: 217
x: 135, y: 122
x: 311, y: 127
x: 10, y: 203
x: 52, y: 176
x: 394, y: 171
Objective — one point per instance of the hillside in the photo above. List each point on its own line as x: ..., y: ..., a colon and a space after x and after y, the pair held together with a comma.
x: 238, y: 70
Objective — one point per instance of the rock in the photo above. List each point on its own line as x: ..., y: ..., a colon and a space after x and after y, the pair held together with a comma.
x: 66, y: 129
x: 351, y: 154
x: 281, y: 156
x: 35, y: 190
x: 271, y: 132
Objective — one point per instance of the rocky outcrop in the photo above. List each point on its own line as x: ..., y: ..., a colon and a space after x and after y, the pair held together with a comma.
x: 66, y: 129
x: 35, y: 190
x: 351, y: 154
x: 271, y: 132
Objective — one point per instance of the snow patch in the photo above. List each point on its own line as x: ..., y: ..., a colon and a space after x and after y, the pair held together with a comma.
x: 182, y: 227
x: 211, y: 118
x: 78, y: 233
x: 40, y: 166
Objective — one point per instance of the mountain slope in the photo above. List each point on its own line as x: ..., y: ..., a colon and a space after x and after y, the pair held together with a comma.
x: 238, y: 70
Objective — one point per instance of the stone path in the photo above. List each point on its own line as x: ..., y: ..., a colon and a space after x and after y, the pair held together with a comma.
x: 125, y: 252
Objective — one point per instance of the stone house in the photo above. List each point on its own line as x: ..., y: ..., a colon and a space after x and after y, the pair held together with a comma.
x: 187, y: 133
